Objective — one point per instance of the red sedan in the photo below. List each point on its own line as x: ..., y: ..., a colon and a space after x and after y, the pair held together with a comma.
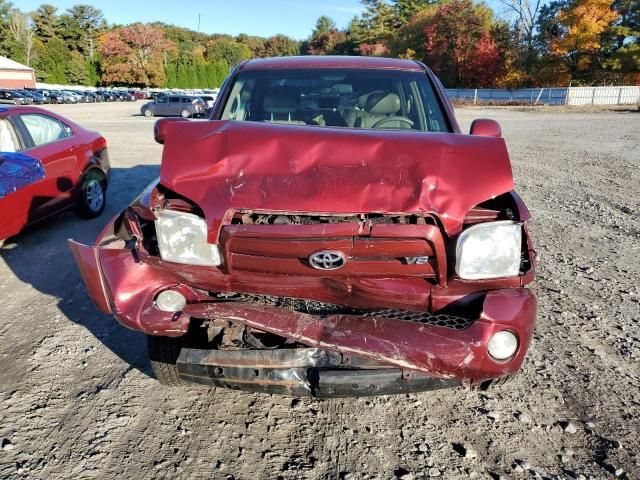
x: 48, y: 164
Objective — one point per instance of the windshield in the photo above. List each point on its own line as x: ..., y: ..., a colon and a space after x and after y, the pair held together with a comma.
x: 355, y: 98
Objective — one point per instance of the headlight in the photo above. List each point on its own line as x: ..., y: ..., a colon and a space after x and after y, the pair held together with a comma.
x: 502, y: 345
x: 489, y: 250
x: 182, y: 238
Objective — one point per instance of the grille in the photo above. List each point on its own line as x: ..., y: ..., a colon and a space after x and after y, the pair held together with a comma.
x: 280, y: 219
x: 313, y: 307
x: 438, y: 319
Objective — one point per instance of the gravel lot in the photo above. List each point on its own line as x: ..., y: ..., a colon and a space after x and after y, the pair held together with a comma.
x: 77, y: 400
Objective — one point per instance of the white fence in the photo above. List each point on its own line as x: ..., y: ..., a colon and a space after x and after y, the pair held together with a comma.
x: 603, y: 96
x: 549, y: 96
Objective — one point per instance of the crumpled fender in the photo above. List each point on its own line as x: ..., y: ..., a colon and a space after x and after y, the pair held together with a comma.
x: 225, y: 166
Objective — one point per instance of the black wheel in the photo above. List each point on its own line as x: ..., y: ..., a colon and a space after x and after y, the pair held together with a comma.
x: 92, y: 196
x: 163, y: 354
x: 147, y: 112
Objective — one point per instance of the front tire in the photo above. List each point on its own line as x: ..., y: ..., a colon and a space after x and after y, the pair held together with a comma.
x: 185, y: 113
x: 92, y: 197
x: 147, y: 112
x: 163, y: 354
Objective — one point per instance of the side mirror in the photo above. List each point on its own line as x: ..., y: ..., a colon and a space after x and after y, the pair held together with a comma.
x: 486, y: 128
x: 160, y: 128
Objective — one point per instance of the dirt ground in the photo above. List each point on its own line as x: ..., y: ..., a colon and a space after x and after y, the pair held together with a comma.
x: 77, y: 400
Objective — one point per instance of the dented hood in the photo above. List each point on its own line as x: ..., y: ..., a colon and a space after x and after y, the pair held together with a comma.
x: 225, y: 166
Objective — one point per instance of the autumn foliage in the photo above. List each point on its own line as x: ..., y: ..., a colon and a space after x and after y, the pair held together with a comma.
x: 468, y: 44
x: 135, y: 55
x: 581, y: 26
x: 459, y: 45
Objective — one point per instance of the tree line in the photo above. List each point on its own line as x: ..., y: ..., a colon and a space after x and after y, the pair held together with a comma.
x: 528, y: 43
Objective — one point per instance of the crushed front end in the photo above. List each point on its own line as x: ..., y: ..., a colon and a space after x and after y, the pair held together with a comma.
x: 313, y: 303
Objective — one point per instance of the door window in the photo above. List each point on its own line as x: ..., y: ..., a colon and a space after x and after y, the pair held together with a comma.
x: 174, y: 100
x: 44, y: 129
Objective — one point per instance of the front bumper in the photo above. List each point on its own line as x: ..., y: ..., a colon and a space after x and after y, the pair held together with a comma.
x: 301, y: 372
x: 119, y: 283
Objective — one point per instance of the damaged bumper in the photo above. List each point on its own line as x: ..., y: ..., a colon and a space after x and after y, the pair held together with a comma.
x: 302, y: 372
x: 389, y: 353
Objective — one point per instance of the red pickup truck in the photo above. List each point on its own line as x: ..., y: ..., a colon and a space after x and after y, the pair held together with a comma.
x: 329, y: 232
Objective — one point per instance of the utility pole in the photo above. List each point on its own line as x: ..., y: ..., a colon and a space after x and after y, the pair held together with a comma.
x: 198, y: 23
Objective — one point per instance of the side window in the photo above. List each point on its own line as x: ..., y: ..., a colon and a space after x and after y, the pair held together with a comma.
x: 44, y: 129
x: 174, y: 100
x: 186, y: 100
x: 237, y: 107
x: 161, y: 100
x: 9, y: 141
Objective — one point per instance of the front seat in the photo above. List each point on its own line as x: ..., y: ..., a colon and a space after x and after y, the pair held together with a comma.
x: 280, y: 104
x: 383, y: 106
x: 355, y: 114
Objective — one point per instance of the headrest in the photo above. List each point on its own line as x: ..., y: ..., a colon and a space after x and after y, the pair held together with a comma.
x: 362, y: 99
x: 280, y: 100
x: 381, y: 103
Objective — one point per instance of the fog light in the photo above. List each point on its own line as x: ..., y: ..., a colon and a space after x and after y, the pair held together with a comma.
x: 170, y: 301
x: 502, y: 345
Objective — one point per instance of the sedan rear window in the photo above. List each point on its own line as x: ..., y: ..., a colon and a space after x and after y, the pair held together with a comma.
x: 355, y: 98
x: 44, y: 129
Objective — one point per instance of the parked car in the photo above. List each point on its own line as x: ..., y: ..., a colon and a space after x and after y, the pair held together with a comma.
x: 14, y: 98
x: 172, y: 105
x: 36, y: 97
x: 68, y: 97
x: 104, y: 96
x: 83, y: 96
x: 92, y: 97
x: 55, y: 96
x: 329, y: 232
x: 74, y: 161
x: 123, y: 96
x: 208, y: 100
x: 39, y: 95
x: 138, y: 94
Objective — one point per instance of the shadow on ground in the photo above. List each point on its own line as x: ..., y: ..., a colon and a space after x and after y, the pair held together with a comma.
x: 40, y: 257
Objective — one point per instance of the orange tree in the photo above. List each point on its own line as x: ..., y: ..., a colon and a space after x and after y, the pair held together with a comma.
x: 581, y: 26
x: 135, y: 55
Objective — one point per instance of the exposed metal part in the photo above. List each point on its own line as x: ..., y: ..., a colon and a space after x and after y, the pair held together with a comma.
x: 249, y: 218
x: 320, y: 308
x: 301, y: 372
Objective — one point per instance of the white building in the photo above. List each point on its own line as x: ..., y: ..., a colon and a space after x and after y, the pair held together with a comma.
x: 16, y: 75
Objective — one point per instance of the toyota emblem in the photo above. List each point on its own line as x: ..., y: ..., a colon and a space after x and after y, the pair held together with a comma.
x: 327, y: 260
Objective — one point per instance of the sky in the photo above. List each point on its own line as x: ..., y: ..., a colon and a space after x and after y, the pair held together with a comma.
x: 295, y: 18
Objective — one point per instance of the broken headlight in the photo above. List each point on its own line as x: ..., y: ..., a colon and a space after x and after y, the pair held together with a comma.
x: 489, y: 250
x: 182, y: 238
